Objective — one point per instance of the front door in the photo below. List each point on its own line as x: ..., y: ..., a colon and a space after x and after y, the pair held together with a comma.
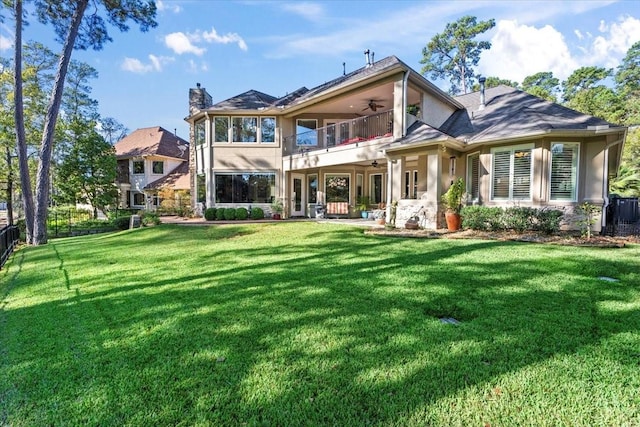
x: 298, y: 196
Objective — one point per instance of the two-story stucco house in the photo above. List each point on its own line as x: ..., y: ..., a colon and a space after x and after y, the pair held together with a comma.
x: 385, y: 132
x: 148, y: 160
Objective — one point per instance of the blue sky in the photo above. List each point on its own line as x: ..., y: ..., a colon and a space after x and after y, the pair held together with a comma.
x: 277, y: 47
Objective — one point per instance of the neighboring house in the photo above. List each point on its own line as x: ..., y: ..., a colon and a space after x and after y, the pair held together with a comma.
x: 150, y: 159
x: 385, y: 132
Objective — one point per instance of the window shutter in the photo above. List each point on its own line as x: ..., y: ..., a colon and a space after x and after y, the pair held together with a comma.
x: 563, y: 171
x: 474, y: 176
x: 501, y: 168
x: 522, y: 174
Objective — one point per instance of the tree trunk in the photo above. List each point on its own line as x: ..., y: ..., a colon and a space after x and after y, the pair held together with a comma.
x: 44, y: 166
x: 21, y: 138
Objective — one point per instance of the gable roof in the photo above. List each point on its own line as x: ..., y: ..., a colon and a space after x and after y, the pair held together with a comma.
x: 250, y: 100
x: 152, y: 141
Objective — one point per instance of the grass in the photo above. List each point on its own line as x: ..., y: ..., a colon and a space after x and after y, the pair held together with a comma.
x: 315, y: 324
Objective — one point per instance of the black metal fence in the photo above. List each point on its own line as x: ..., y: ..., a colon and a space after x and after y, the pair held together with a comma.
x: 623, y: 217
x: 9, y: 237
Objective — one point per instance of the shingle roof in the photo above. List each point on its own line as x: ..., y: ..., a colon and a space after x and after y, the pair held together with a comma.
x: 250, y: 100
x: 178, y: 179
x: 152, y: 141
x: 509, y: 112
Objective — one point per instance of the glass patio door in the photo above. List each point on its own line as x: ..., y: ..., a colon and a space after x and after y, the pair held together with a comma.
x: 297, y: 196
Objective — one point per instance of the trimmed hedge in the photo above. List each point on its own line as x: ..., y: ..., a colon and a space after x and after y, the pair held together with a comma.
x: 229, y: 214
x: 210, y: 214
x: 518, y: 219
x: 220, y: 213
x: 242, y: 213
x: 122, y: 222
x: 257, y: 213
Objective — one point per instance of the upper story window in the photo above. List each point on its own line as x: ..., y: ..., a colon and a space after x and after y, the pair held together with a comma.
x: 306, y: 133
x: 511, y: 173
x: 221, y: 129
x: 245, y: 129
x: 199, y: 132
x: 138, y: 166
x: 564, y: 171
x: 157, y: 167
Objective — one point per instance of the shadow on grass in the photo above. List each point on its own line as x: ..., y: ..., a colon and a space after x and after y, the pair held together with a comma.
x: 325, y: 327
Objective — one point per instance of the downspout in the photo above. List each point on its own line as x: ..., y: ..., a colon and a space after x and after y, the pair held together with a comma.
x: 405, y: 91
x: 605, y: 181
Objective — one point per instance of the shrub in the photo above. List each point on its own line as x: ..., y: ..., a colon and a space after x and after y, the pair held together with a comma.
x: 483, y: 218
x: 548, y: 220
x: 229, y: 214
x: 150, y: 218
x: 122, y: 222
x: 519, y: 219
x: 220, y: 213
x: 210, y: 214
x: 257, y: 213
x: 242, y: 213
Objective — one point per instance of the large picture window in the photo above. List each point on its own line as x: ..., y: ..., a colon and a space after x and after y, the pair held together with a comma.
x: 245, y: 129
x: 564, y: 171
x: 511, y: 173
x: 245, y: 188
x: 337, y: 188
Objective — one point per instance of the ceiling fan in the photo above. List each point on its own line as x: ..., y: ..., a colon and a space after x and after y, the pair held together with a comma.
x: 373, y: 105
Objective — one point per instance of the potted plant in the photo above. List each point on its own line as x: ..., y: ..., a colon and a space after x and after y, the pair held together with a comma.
x: 363, y: 206
x: 452, y: 202
x: 276, y: 209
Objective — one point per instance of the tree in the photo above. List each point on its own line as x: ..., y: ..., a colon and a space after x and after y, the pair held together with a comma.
x: 73, y: 29
x: 583, y: 93
x: 111, y: 129
x: 88, y: 172
x: 453, y: 53
x: 494, y: 82
x: 627, y: 80
x: 543, y: 85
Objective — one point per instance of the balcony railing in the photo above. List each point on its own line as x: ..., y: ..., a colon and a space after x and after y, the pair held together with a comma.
x: 351, y: 131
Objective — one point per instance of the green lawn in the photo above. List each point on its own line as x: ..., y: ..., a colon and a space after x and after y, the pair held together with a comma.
x: 294, y: 324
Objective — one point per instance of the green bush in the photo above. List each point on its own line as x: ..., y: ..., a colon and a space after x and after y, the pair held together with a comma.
x: 210, y: 214
x: 548, y: 220
x: 483, y: 218
x: 122, y: 222
x: 242, y: 213
x: 229, y: 214
x: 257, y: 213
x: 150, y: 218
x: 519, y: 219
x: 220, y: 213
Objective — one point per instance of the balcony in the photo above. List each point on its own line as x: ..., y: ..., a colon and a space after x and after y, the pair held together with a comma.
x: 353, y: 131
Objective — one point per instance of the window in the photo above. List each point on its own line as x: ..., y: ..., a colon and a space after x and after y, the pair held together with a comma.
x: 337, y: 188
x: 312, y: 188
x: 201, y: 188
x: 473, y: 176
x: 415, y: 184
x: 221, y: 129
x: 376, y: 189
x: 157, y: 168
x: 138, y: 199
x: 306, y: 132
x: 564, y: 171
x: 245, y: 188
x: 268, y: 129
x: 407, y: 184
x: 138, y: 166
x: 199, y: 132
x: 411, y: 185
x: 245, y: 129
x: 511, y: 173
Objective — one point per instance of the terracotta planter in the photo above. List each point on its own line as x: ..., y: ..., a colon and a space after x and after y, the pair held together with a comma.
x: 276, y: 216
x: 454, y: 221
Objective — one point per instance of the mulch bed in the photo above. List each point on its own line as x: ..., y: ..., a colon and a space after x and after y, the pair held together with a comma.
x: 564, y: 238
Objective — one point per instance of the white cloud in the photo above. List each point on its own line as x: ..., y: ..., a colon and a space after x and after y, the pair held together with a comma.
x: 308, y: 10
x: 182, y: 43
x: 608, y: 48
x: 194, y: 67
x: 578, y: 34
x: 213, y: 37
x: 156, y: 63
x: 163, y: 6
x: 518, y: 51
x: 5, y: 43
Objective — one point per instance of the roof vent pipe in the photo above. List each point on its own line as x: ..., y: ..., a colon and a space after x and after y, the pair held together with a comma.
x: 372, y: 55
x: 366, y: 58
x: 481, y: 80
